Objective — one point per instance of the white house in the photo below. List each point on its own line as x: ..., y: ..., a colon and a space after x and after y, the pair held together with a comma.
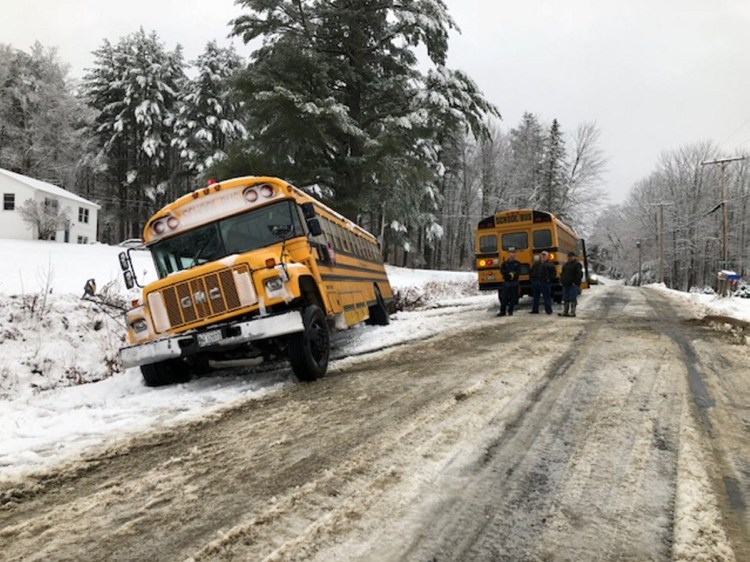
x: 15, y: 189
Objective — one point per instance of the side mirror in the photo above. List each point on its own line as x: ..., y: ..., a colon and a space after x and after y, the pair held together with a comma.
x: 308, y: 210
x: 89, y: 289
x: 129, y: 279
x: 124, y: 261
x: 314, y: 226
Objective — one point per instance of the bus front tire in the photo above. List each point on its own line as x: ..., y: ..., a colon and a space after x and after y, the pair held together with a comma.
x: 309, y: 349
x: 172, y: 371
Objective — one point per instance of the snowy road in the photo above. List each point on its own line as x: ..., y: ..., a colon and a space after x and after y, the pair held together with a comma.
x: 622, y: 434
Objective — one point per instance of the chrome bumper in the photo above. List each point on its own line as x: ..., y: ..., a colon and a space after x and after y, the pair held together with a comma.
x: 191, y: 343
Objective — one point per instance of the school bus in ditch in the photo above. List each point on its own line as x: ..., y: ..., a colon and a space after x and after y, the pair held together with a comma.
x: 250, y: 267
x: 529, y: 233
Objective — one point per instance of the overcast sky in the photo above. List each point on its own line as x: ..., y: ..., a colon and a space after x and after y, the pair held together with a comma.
x: 653, y: 74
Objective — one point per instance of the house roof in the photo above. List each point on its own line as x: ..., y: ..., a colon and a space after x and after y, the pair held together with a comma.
x: 46, y: 187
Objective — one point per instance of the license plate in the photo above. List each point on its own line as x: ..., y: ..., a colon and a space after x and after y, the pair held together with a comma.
x: 207, y: 338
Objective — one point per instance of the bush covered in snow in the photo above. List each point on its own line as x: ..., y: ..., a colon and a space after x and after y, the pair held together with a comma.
x: 49, y: 341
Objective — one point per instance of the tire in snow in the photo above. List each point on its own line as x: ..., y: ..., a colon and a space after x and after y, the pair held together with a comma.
x: 309, y: 349
x: 166, y: 372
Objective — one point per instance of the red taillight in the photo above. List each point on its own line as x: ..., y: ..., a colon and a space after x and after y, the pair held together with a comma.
x: 486, y: 263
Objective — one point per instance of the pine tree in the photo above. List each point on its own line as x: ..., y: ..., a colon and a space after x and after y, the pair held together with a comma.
x: 335, y: 98
x: 527, y: 152
x: 553, y: 172
x: 209, y: 117
x: 40, y: 118
x: 134, y: 86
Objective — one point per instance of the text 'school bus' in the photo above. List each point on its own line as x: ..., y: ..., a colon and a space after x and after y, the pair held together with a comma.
x: 530, y: 233
x: 250, y: 267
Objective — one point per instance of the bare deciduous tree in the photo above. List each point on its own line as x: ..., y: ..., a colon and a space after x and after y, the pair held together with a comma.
x: 45, y: 217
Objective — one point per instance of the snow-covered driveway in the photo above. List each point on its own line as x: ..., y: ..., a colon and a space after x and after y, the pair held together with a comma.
x: 621, y: 434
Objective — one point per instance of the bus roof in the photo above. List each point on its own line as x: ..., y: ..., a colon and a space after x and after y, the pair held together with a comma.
x: 226, y: 198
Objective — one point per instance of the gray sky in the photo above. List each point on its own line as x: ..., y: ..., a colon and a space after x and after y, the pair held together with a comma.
x: 653, y: 74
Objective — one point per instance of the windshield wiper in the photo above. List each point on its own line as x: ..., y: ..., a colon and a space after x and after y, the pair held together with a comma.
x: 198, y: 254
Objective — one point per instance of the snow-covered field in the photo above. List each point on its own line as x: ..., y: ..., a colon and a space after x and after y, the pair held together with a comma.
x: 60, y: 386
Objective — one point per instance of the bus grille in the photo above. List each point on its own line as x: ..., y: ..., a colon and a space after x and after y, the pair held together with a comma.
x: 202, y: 297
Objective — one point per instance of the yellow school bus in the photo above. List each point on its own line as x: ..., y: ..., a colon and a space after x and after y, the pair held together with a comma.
x: 529, y: 232
x: 250, y: 267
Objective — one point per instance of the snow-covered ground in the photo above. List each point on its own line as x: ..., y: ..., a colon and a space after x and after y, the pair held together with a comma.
x: 61, y: 390
x: 52, y: 342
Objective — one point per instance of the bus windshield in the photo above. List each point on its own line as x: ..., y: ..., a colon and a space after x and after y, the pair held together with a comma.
x: 234, y: 235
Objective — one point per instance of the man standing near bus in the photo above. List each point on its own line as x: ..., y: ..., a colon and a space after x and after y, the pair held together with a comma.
x: 510, y: 270
x: 570, y: 278
x: 542, y: 276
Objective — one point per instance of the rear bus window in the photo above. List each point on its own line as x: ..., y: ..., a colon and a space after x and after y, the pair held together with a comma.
x: 487, y: 244
x: 517, y: 240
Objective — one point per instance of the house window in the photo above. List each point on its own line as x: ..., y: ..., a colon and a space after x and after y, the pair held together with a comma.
x: 83, y: 239
x: 51, y: 204
x: 9, y: 201
x: 83, y: 215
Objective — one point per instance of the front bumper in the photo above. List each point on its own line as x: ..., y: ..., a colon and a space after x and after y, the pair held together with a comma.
x: 227, y: 335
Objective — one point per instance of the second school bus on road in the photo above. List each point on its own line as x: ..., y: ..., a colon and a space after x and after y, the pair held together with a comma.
x: 529, y: 232
x: 250, y: 267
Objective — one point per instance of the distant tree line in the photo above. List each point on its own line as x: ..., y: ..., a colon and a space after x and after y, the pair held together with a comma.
x: 334, y: 101
x: 688, y: 195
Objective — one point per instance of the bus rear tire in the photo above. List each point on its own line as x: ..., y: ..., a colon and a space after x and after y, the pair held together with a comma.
x: 172, y: 371
x: 309, y: 349
x: 378, y: 311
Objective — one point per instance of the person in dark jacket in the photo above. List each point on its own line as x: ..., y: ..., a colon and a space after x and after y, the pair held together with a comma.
x: 510, y: 270
x: 542, y: 276
x: 570, y: 278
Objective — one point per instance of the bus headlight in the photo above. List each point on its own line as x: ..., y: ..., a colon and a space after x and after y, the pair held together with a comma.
x: 139, y: 326
x: 274, y: 284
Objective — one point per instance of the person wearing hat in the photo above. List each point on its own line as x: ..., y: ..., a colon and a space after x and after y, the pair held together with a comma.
x: 510, y: 270
x: 570, y: 279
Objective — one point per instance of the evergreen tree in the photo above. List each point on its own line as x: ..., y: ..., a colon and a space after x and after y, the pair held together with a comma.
x: 210, y: 116
x: 527, y: 152
x: 40, y: 118
x: 335, y: 98
x: 553, y: 172
x: 134, y: 86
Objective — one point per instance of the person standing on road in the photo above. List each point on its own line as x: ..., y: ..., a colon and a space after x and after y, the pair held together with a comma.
x: 510, y: 270
x: 542, y: 276
x: 570, y: 278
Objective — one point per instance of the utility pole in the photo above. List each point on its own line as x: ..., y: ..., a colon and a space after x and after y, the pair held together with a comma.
x: 638, y: 245
x: 725, y: 264
x: 661, y: 238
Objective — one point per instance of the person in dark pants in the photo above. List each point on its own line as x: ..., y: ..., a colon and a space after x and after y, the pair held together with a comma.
x: 542, y: 276
x: 570, y: 278
x: 510, y: 269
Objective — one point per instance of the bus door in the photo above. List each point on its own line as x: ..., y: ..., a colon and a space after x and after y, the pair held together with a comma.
x: 581, y: 251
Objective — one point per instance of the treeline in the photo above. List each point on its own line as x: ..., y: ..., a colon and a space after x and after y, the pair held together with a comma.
x: 333, y: 100
x: 686, y: 191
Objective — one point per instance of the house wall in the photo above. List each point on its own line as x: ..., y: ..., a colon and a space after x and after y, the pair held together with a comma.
x: 13, y: 226
x: 11, y: 223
